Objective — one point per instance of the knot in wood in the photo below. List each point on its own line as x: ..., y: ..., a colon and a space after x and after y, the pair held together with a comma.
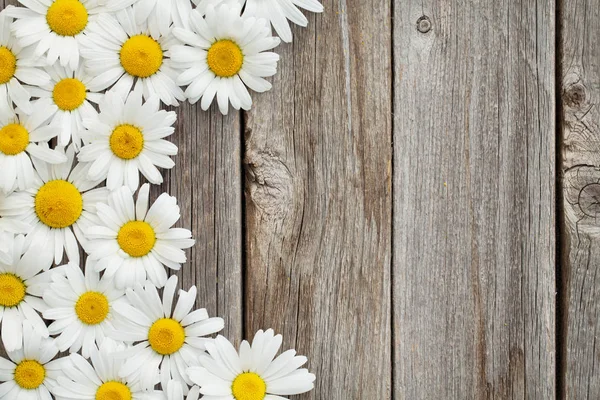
x: 575, y: 95
x: 589, y: 200
x: 424, y: 24
x: 270, y: 184
x: 582, y: 194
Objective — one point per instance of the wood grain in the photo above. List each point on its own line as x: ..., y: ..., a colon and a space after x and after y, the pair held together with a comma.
x: 580, y: 90
x: 474, y: 182
x: 318, y: 201
x: 206, y: 180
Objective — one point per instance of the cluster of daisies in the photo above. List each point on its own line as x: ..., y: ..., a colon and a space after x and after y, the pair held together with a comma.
x: 87, y: 308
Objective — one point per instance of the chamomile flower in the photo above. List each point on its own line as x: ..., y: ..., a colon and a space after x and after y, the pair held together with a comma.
x: 253, y: 373
x: 224, y: 53
x: 81, y: 307
x: 21, y: 286
x: 30, y: 372
x: 166, y: 339
x: 56, y: 27
x: 8, y: 228
x: 174, y: 391
x: 122, y: 52
x: 17, y: 66
x: 134, y: 243
x: 59, y: 206
x: 19, y: 133
x: 126, y: 139
x: 162, y: 14
x: 67, y: 91
x: 99, y: 380
x: 278, y: 12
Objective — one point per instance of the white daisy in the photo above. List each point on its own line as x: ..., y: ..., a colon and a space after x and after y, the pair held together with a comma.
x: 81, y: 307
x: 123, y: 52
x: 174, y: 391
x: 132, y: 242
x: 8, y: 228
x: 225, y: 53
x: 19, y: 133
x: 71, y: 98
x: 166, y: 339
x: 99, y: 380
x: 126, y: 139
x: 56, y: 27
x: 162, y: 14
x: 21, y: 287
x: 17, y: 65
x: 30, y: 373
x: 61, y: 202
x: 279, y: 11
x: 252, y: 374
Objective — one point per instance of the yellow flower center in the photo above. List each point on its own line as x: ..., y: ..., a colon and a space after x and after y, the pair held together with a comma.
x: 92, y: 308
x: 141, y: 56
x: 14, y: 139
x: 8, y: 65
x: 113, y: 391
x: 225, y: 58
x: 136, y: 238
x: 58, y: 204
x: 69, y: 94
x: 249, y: 386
x: 126, y: 141
x: 12, y: 290
x: 67, y: 17
x: 166, y: 336
x: 30, y: 374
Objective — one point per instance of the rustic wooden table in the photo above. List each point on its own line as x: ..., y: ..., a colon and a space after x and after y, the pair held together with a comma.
x: 415, y: 205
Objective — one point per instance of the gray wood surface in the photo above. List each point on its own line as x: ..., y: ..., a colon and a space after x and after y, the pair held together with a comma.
x: 579, y: 67
x: 390, y: 206
x: 474, y: 182
x: 318, y: 200
x: 206, y: 180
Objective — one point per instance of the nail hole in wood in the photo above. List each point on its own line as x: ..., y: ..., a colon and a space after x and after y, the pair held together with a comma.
x: 424, y: 24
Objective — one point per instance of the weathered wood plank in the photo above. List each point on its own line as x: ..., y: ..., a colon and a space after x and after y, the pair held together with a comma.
x: 206, y: 180
x: 318, y: 201
x: 474, y: 182
x: 579, y: 69
x: 207, y: 183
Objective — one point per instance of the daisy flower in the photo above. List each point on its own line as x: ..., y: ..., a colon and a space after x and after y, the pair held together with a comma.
x: 17, y: 66
x: 99, y: 380
x: 278, y: 12
x: 61, y: 202
x: 127, y: 53
x: 30, y: 372
x: 19, y: 133
x: 224, y: 53
x: 67, y: 91
x: 161, y: 14
x: 133, y: 243
x: 126, y: 139
x: 166, y: 339
x: 21, y: 286
x: 56, y: 27
x: 174, y: 391
x: 8, y: 229
x: 251, y: 374
x: 81, y: 307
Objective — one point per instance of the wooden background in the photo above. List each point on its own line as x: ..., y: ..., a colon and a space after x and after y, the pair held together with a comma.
x: 415, y: 205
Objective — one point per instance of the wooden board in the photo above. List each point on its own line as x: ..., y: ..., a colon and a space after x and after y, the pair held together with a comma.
x: 579, y: 81
x: 206, y: 180
x: 474, y: 231
x: 318, y: 201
